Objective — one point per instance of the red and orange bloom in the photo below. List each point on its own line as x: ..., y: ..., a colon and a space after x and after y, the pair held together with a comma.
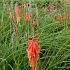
x: 17, y: 11
x: 26, y: 16
x: 33, y: 52
x: 59, y: 18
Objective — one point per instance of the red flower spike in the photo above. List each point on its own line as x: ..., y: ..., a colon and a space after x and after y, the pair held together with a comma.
x: 59, y: 18
x: 17, y: 11
x: 33, y: 52
x: 26, y: 16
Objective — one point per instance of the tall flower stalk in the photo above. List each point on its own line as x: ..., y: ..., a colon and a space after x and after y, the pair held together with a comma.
x: 33, y: 52
x: 26, y: 15
x: 17, y: 12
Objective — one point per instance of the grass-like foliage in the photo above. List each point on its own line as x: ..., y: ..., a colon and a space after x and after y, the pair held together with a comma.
x: 53, y: 32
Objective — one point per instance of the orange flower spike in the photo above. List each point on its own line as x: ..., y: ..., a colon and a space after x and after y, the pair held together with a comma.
x: 17, y: 11
x: 26, y: 16
x: 59, y: 18
x: 33, y: 52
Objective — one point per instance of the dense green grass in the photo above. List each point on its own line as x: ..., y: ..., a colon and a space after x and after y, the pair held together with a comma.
x: 54, y: 39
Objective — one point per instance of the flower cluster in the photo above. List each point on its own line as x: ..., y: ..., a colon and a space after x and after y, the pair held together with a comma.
x: 61, y: 17
x: 17, y: 11
x: 26, y: 16
x: 33, y: 52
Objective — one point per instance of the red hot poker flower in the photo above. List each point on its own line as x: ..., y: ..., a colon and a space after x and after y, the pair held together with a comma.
x: 26, y: 16
x: 59, y: 18
x: 17, y: 11
x: 33, y: 52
